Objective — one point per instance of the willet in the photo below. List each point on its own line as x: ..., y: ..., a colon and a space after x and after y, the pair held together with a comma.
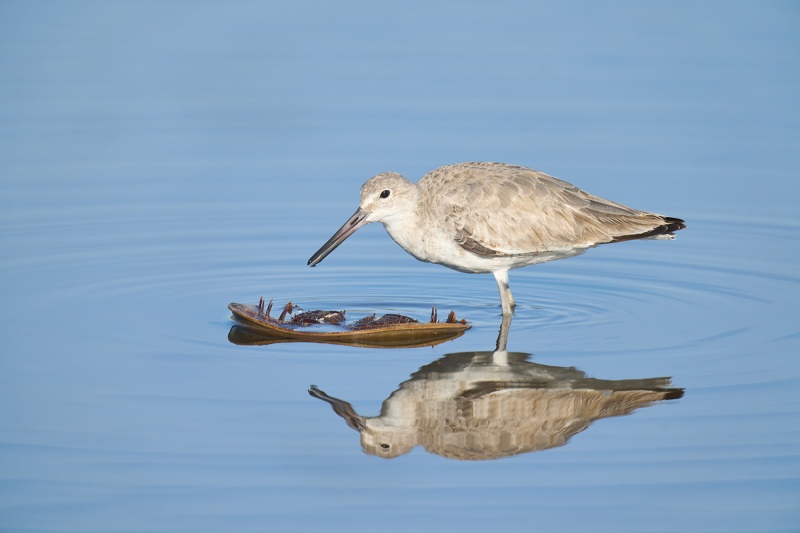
x: 492, y: 217
x: 477, y: 406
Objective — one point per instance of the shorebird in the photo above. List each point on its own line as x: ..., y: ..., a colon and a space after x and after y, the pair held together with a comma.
x: 493, y: 217
x: 479, y: 406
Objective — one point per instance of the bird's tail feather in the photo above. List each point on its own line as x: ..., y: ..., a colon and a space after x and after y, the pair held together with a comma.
x: 664, y: 231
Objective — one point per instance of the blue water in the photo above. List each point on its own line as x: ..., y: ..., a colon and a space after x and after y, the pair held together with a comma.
x: 160, y: 160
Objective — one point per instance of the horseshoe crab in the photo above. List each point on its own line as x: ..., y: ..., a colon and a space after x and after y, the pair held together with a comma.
x: 386, y: 331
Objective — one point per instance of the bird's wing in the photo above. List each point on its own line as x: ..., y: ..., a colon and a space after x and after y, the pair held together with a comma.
x: 499, y: 210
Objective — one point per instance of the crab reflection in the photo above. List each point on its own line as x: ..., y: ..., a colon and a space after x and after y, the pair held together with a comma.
x: 488, y: 405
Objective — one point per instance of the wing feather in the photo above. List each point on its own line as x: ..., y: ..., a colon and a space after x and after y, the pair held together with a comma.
x: 493, y: 209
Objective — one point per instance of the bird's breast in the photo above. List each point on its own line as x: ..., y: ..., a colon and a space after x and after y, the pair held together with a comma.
x: 438, y: 247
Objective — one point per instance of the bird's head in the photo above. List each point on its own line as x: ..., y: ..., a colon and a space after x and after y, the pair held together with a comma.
x: 384, y: 198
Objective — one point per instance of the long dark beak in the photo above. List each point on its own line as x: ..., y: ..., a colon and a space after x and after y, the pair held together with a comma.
x: 358, y: 219
x: 341, y: 408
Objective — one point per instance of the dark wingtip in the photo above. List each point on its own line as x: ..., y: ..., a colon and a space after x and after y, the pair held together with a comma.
x: 674, y: 224
x: 673, y: 394
x: 670, y: 225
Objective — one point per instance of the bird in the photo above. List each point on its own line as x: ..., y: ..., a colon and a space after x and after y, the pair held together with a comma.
x: 486, y: 405
x: 483, y: 217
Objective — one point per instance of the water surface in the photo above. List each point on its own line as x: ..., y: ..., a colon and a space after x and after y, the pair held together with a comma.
x: 159, y: 161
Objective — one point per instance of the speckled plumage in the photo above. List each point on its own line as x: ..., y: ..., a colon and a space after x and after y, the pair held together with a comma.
x: 493, y: 217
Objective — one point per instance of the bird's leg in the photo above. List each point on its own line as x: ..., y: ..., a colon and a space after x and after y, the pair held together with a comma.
x: 500, y: 354
x: 506, y: 299
x: 502, y: 335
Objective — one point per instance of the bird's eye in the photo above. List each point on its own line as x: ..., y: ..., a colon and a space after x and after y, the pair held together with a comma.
x: 386, y: 193
x: 385, y: 446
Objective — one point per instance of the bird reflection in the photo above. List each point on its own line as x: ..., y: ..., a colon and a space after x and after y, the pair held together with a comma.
x: 493, y: 404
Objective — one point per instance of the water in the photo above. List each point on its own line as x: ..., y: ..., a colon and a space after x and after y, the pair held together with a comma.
x: 159, y: 161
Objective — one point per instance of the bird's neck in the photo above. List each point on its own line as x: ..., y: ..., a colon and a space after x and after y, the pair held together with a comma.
x: 407, y: 231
